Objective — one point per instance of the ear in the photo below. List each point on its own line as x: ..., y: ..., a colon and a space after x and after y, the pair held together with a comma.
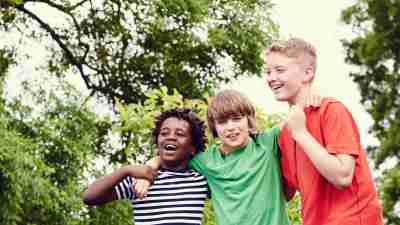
x: 157, y: 151
x: 309, y: 75
x: 193, y: 151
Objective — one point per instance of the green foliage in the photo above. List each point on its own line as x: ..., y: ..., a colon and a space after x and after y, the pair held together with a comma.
x: 121, y: 48
x: 294, y: 208
x: 209, y: 215
x: 115, y: 213
x: 6, y: 60
x: 376, y: 51
x: 389, y: 188
x: 13, y: 2
x: 43, y: 159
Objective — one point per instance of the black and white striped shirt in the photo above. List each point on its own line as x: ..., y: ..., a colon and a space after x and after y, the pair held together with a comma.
x: 174, y: 198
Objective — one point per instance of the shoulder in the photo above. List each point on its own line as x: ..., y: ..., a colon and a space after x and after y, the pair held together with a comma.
x: 268, y: 139
x: 331, y: 105
x: 334, y: 111
x: 196, y: 175
x: 268, y: 134
x: 173, y: 178
x: 209, y: 152
x: 200, y: 161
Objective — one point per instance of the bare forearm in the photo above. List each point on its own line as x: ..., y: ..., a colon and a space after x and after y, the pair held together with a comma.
x: 338, y: 170
x: 101, y: 190
x: 154, y: 163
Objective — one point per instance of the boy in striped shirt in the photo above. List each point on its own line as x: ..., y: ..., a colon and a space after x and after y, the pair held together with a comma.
x: 178, y: 193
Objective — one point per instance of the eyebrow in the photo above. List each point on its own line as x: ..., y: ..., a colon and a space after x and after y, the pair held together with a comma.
x: 275, y: 66
x: 167, y: 128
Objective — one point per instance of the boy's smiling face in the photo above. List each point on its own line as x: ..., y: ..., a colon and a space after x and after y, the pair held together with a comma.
x: 175, y: 146
x: 233, y: 132
x: 286, y: 77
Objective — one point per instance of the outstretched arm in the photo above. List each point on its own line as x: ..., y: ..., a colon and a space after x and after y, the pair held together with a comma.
x: 102, y: 191
x: 337, y: 169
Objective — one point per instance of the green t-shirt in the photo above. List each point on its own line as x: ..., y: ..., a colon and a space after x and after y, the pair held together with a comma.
x: 246, y: 184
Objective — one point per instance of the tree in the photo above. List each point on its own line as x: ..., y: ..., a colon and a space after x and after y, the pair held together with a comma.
x: 43, y: 160
x: 6, y: 60
x: 376, y: 52
x: 122, y: 48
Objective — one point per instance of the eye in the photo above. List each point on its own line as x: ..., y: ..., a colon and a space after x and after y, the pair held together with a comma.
x: 280, y: 70
x: 221, y: 121
x: 237, y: 118
x: 181, y: 134
x: 163, y: 133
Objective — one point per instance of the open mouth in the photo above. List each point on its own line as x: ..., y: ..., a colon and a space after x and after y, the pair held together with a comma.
x: 232, y: 136
x: 170, y: 147
x: 276, y: 87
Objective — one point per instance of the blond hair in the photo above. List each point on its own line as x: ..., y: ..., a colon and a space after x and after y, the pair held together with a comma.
x: 295, y: 48
x: 228, y: 103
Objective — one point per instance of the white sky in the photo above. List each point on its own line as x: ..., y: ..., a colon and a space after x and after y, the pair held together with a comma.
x: 319, y: 23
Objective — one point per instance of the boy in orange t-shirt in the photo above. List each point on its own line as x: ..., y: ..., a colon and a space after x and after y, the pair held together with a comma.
x: 321, y: 154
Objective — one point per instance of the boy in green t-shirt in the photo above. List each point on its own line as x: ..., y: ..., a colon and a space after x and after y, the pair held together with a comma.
x: 243, y: 171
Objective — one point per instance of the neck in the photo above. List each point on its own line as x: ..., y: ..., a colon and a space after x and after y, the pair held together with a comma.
x: 174, y: 166
x: 301, y: 97
x: 226, y: 150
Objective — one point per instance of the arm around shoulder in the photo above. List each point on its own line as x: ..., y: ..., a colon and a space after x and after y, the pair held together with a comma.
x: 142, y: 185
x: 102, y: 191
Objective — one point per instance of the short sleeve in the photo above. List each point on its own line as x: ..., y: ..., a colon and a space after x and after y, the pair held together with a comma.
x: 124, y: 189
x: 198, y: 162
x: 340, y: 132
x: 275, y: 131
x: 270, y: 138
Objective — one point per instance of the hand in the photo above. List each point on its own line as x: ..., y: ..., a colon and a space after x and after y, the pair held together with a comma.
x: 313, y: 97
x: 144, y: 172
x: 296, y: 121
x: 141, y: 187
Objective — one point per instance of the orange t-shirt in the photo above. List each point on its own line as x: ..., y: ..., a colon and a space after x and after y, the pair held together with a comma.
x: 333, y: 127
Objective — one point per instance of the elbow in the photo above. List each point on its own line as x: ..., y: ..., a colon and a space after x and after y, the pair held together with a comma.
x: 88, y: 200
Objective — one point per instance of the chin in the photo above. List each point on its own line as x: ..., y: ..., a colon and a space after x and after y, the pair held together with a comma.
x: 280, y: 98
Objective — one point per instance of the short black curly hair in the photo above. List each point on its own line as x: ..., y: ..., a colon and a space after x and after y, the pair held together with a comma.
x: 198, y: 130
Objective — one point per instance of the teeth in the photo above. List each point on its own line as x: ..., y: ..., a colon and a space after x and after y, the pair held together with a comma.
x: 276, y: 86
x: 170, y: 147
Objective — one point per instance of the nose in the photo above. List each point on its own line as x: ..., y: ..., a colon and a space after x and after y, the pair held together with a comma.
x: 230, y: 124
x: 171, y: 136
